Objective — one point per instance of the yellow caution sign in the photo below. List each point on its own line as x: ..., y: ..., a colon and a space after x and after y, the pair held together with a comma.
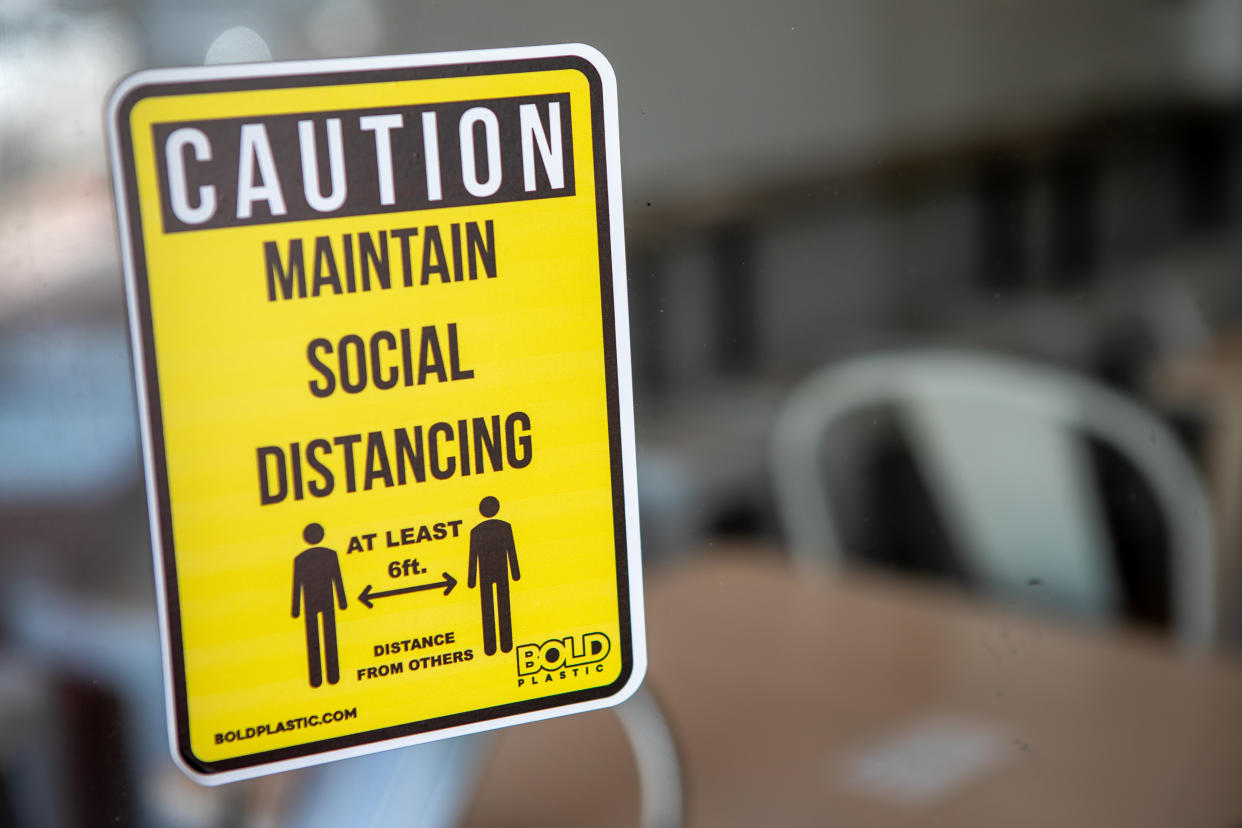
x: 380, y: 339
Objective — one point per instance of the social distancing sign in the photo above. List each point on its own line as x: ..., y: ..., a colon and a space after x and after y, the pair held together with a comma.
x: 380, y: 334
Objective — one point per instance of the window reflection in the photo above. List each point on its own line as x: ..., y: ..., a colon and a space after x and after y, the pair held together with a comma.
x: 809, y: 186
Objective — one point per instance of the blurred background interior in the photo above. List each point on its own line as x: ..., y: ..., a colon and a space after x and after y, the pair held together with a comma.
x: 936, y: 315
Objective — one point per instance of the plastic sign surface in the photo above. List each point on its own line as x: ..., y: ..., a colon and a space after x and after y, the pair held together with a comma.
x: 381, y: 345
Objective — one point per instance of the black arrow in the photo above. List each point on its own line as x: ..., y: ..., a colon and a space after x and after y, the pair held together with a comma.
x: 448, y: 583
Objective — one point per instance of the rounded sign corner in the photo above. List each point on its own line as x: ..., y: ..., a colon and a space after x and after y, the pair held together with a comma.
x: 628, y: 685
x: 196, y: 769
x: 124, y: 95
x: 597, y: 59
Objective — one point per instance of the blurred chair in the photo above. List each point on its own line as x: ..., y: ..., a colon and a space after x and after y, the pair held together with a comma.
x: 429, y: 785
x: 655, y: 753
x: 999, y: 442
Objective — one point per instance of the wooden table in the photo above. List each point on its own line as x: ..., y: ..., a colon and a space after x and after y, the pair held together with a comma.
x: 856, y: 700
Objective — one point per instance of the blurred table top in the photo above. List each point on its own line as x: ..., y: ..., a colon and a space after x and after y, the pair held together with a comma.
x: 860, y: 700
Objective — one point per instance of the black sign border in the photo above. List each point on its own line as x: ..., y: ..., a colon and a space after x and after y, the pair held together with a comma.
x: 140, y: 295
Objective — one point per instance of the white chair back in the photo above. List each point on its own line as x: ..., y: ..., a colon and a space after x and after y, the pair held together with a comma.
x: 999, y: 442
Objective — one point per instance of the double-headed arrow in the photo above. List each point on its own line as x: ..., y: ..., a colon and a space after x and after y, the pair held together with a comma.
x: 448, y: 583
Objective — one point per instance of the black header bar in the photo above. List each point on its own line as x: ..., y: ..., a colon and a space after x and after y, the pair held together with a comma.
x: 233, y: 172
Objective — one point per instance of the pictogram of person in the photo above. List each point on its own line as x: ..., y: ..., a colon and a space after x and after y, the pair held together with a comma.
x: 493, y: 556
x: 317, y: 586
